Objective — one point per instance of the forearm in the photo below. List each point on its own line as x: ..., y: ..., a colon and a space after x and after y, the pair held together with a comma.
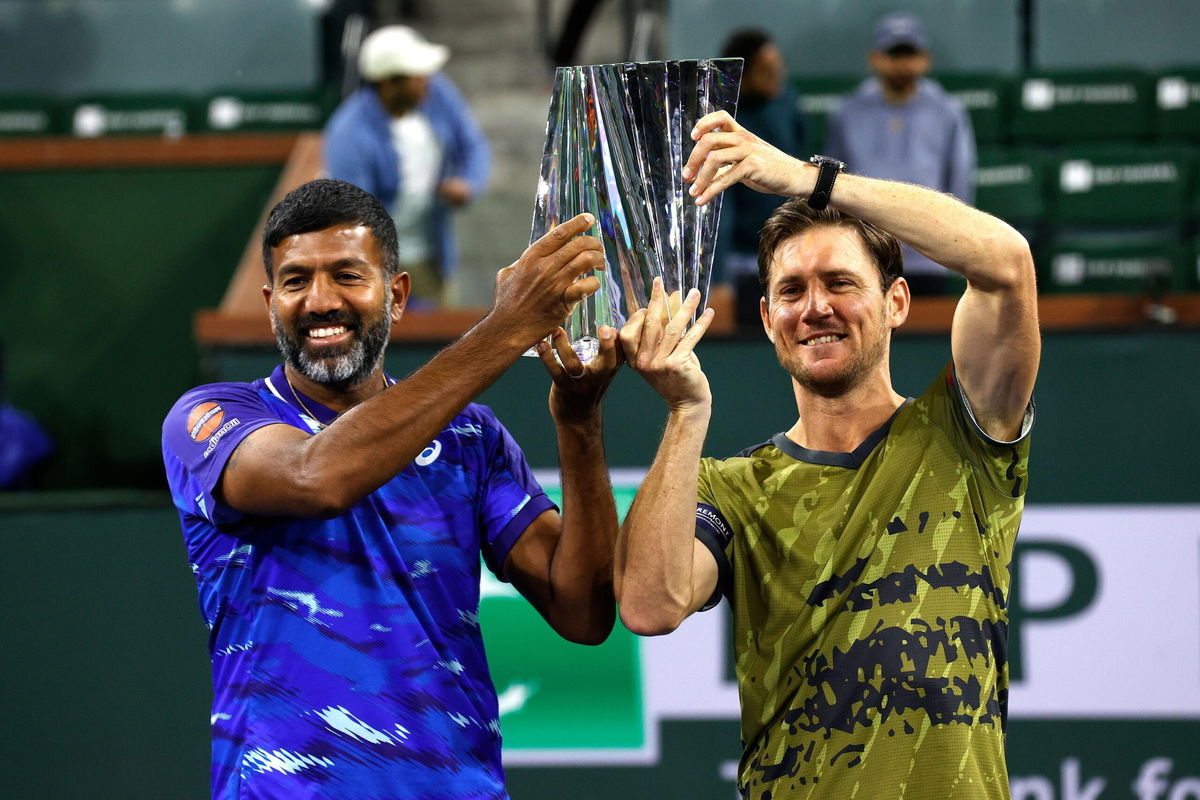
x: 370, y: 443
x: 654, y: 577
x: 581, y: 567
x: 984, y: 249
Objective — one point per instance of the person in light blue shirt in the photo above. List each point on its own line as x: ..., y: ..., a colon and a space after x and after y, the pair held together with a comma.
x: 901, y: 126
x: 336, y: 518
x: 409, y: 138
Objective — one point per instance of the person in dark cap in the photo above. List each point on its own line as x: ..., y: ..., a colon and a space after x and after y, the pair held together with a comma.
x: 900, y: 125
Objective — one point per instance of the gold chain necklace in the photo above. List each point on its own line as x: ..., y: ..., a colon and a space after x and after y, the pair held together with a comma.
x: 320, y: 425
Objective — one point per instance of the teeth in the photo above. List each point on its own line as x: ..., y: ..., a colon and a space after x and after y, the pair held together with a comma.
x: 822, y: 340
x: 321, y: 333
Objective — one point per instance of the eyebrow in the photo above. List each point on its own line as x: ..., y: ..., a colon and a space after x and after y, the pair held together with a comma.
x: 825, y: 273
x: 292, y: 267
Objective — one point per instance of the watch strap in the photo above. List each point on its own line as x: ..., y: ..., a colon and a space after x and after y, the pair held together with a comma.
x: 827, y: 172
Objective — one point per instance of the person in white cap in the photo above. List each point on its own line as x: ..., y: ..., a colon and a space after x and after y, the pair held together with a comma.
x: 901, y: 126
x: 408, y: 138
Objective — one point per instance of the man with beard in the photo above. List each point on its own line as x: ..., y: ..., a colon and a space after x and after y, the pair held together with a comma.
x: 902, y: 126
x: 335, y: 516
x: 865, y: 551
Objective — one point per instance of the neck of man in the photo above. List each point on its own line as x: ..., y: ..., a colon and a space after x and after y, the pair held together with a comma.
x: 336, y: 397
x: 839, y: 424
x: 898, y: 95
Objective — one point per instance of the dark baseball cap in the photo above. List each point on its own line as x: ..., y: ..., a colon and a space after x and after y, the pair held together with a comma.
x: 900, y: 29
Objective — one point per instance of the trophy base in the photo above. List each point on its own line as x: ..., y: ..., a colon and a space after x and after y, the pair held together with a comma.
x: 586, y: 348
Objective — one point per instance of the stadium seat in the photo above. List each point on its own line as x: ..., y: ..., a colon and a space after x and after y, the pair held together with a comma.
x: 1151, y: 267
x: 29, y: 116
x: 1177, y: 105
x: 1060, y: 107
x: 1188, y: 279
x: 987, y: 98
x: 1011, y: 183
x: 233, y: 111
x: 818, y: 97
x: 1121, y: 186
x: 116, y: 115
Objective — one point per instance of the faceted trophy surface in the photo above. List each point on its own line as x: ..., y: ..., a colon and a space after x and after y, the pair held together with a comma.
x: 617, y: 137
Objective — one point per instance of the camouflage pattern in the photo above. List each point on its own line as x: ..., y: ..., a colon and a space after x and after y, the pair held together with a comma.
x: 869, y: 594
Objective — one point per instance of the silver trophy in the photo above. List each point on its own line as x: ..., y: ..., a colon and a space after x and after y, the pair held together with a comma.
x: 617, y: 137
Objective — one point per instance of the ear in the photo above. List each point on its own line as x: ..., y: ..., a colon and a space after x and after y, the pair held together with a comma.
x: 267, y: 292
x: 401, y: 286
x: 899, y: 300
x: 764, y: 310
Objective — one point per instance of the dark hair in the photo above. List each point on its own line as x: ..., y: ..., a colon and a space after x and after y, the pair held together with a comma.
x: 796, y: 216
x: 745, y: 44
x: 326, y: 202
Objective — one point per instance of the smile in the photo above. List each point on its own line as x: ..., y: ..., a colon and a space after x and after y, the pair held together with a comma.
x: 326, y: 333
x: 823, y: 339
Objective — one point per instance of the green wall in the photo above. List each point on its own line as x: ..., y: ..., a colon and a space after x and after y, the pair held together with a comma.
x: 102, y: 272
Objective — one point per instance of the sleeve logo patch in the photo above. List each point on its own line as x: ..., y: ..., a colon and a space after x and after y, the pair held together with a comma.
x: 204, y: 420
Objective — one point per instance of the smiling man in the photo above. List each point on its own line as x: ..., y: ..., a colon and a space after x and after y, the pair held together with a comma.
x: 865, y: 550
x: 335, y: 516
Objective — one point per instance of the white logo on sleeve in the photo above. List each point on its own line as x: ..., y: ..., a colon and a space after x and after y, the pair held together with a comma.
x: 429, y: 454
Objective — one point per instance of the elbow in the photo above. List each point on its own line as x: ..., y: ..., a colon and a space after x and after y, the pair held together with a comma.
x: 591, y: 637
x: 648, y: 621
x: 1012, y: 262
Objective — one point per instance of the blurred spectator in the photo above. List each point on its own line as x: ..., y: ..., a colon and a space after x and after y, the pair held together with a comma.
x: 23, y: 443
x: 902, y: 126
x: 409, y: 139
x: 770, y: 108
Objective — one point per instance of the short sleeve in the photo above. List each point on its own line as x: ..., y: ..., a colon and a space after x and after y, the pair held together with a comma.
x: 1004, y: 466
x: 200, y: 433
x: 713, y: 528
x: 510, y: 497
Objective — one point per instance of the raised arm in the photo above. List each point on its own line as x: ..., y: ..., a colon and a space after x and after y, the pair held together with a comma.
x: 281, y: 470
x: 662, y: 572
x: 994, y: 338
x: 564, y: 564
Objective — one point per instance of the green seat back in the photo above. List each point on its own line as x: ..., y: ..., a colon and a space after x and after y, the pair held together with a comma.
x: 29, y: 116
x: 234, y: 111
x: 1122, y: 185
x: 1177, y: 104
x: 139, y: 115
x: 1135, y: 268
x: 987, y: 97
x: 1011, y: 183
x: 1081, y: 106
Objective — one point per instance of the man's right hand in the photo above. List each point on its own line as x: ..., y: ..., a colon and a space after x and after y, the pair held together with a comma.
x: 726, y: 153
x: 659, y: 346
x: 537, y: 292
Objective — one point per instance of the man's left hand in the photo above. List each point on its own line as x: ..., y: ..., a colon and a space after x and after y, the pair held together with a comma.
x: 455, y: 191
x: 577, y: 387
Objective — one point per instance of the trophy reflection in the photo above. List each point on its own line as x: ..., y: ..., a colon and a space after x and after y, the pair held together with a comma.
x: 617, y: 137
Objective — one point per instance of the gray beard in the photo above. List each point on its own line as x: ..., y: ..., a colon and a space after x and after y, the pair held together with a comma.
x: 339, y: 371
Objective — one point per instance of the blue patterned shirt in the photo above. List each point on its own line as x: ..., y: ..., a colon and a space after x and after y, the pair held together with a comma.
x: 346, y: 654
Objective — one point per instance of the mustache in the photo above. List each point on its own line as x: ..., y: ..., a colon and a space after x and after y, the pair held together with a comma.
x: 329, y: 318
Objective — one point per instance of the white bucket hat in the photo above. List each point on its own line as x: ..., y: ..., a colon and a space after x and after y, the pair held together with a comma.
x: 399, y: 50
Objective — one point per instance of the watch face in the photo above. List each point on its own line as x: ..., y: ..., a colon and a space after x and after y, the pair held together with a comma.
x: 833, y: 162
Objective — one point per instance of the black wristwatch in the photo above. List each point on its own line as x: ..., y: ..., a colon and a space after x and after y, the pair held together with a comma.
x: 827, y: 172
